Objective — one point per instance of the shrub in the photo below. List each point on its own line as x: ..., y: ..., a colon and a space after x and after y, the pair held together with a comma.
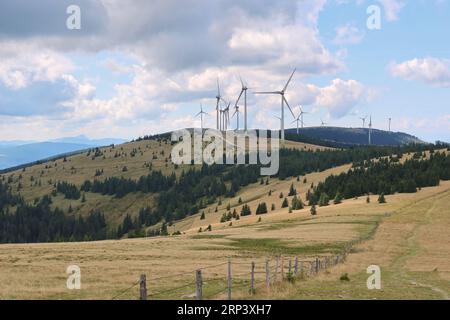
x: 344, y: 277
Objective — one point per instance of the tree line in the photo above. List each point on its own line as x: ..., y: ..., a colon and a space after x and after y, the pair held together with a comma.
x: 383, y: 177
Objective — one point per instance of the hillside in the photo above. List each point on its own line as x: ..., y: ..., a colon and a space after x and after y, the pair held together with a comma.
x: 353, y: 136
x: 128, y: 190
x: 16, y: 153
x: 131, y: 160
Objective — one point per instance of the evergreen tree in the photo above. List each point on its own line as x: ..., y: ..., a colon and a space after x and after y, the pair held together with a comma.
x: 338, y: 198
x: 292, y: 191
x: 324, y: 200
x: 285, y: 203
x: 313, y: 210
x: 381, y: 198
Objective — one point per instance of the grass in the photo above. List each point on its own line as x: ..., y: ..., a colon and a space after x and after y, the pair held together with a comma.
x: 37, y: 271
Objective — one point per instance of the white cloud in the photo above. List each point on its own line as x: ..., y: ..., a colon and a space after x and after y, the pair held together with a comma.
x: 392, y: 8
x: 22, y: 64
x: 348, y: 34
x: 432, y: 71
x: 341, y: 96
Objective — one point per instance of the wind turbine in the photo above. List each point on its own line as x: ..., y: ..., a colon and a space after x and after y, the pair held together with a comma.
x: 370, y: 131
x: 201, y: 113
x: 236, y: 113
x: 298, y: 120
x: 301, y: 115
x: 218, y: 98
x: 363, y: 120
x: 244, y: 89
x: 225, y: 119
x: 390, y: 119
x: 283, y: 100
x: 323, y: 123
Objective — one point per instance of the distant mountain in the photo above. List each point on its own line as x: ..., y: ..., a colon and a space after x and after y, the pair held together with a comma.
x: 86, y: 141
x: 354, y: 136
x: 15, y: 153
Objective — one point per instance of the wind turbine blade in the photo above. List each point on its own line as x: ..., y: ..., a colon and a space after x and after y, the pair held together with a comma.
x: 239, y: 98
x: 267, y: 92
x: 218, y: 88
x: 242, y: 82
x: 198, y: 114
x: 290, y: 78
x: 289, y: 107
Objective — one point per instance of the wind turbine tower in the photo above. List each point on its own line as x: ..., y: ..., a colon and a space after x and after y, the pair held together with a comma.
x: 218, y: 98
x: 283, y: 101
x: 370, y: 131
x: 244, y: 89
x: 201, y: 113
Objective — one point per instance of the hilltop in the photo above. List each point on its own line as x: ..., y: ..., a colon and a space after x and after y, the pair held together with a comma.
x: 352, y: 136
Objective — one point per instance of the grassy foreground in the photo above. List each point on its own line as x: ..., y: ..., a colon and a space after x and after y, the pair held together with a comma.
x: 411, y: 245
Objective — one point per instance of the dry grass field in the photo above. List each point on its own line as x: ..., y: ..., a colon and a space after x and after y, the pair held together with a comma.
x: 410, y: 245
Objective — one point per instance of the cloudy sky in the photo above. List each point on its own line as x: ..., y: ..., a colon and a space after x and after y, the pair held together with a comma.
x: 142, y: 67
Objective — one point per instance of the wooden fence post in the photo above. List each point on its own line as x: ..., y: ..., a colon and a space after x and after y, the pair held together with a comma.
x: 296, y: 266
x: 317, y: 265
x: 252, y: 279
x: 143, y: 287
x: 267, y: 275
x: 230, y: 281
x: 282, y: 268
x: 290, y: 267
x: 277, y: 261
x: 199, y: 284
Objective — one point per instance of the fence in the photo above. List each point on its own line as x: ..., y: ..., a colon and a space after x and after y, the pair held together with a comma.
x: 215, y: 280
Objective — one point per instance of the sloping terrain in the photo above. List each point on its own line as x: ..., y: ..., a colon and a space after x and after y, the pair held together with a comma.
x: 353, y: 136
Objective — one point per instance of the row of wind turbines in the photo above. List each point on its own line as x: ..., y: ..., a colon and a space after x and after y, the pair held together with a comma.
x: 223, y: 110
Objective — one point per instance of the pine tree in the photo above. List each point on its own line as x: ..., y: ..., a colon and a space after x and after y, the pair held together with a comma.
x: 324, y: 200
x: 381, y: 198
x: 202, y: 217
x: 292, y: 191
x: 285, y: 203
x: 313, y: 210
x: 338, y: 198
x: 262, y: 208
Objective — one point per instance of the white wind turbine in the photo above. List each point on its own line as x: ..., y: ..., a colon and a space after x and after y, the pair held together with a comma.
x: 370, y: 130
x: 201, y: 113
x: 301, y: 115
x: 364, y: 120
x: 236, y: 113
x: 323, y: 123
x: 283, y: 100
x: 297, y: 120
x: 218, y: 98
x: 244, y: 89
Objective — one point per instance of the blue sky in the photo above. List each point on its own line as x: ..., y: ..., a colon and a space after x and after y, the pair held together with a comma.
x: 143, y: 67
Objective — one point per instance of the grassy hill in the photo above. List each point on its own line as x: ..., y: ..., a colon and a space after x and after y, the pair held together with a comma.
x: 130, y: 160
x: 352, y: 136
x: 281, y: 231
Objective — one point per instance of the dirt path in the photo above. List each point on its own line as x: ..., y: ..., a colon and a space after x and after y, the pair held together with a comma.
x: 414, y: 249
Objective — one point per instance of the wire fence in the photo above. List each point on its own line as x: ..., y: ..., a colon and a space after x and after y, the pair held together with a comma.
x: 231, y: 277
